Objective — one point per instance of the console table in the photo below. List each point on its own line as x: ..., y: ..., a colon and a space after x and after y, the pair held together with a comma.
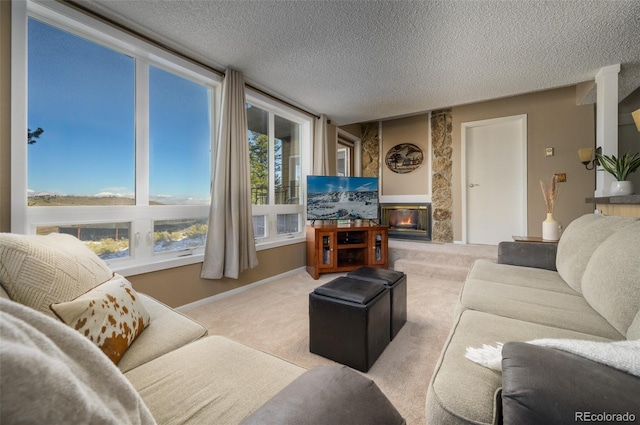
x: 531, y: 239
x: 340, y: 248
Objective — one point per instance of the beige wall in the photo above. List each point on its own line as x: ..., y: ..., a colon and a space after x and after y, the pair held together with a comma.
x: 183, y: 285
x: 5, y: 116
x: 413, y: 130
x: 553, y: 120
x: 353, y: 129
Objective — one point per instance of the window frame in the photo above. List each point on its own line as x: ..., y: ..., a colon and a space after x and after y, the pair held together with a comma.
x: 271, y: 211
x: 25, y: 220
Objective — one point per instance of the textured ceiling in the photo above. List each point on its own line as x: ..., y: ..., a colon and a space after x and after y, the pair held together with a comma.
x: 359, y: 61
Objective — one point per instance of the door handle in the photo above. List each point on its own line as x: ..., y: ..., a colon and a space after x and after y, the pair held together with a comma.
x: 473, y: 185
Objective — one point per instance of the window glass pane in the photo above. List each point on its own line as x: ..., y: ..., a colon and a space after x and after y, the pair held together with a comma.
x: 179, y: 140
x: 82, y: 96
x: 258, y: 123
x: 259, y: 226
x: 287, y: 161
x: 288, y: 223
x: 177, y: 235
x: 343, y: 162
x: 107, y: 240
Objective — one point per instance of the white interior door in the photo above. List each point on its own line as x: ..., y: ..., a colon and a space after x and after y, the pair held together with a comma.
x: 494, y: 179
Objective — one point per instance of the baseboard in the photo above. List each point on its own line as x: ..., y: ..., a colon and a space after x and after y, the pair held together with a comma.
x: 204, y: 301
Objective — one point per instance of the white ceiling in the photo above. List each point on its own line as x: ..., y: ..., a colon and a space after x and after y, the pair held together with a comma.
x: 359, y: 61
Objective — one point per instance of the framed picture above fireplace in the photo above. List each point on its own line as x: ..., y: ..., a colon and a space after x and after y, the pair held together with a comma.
x: 404, y: 158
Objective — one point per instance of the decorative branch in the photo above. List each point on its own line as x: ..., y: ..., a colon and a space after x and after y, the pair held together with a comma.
x: 550, y: 194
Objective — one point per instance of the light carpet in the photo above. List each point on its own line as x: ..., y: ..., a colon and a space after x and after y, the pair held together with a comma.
x: 273, y: 317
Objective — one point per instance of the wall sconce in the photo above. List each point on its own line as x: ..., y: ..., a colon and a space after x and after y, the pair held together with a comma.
x: 585, y: 155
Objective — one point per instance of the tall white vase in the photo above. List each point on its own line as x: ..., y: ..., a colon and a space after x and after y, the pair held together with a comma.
x: 550, y: 229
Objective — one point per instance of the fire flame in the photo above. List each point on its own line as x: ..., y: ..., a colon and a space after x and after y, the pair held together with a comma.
x: 403, y: 218
x: 405, y: 221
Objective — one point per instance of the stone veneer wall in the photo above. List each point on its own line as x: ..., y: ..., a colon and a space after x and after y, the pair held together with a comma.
x: 370, y: 150
x: 441, y: 199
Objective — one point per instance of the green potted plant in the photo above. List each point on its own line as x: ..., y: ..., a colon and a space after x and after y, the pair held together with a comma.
x: 620, y: 168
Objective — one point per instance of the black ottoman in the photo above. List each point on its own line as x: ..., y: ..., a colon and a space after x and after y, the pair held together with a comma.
x: 397, y: 283
x: 349, y: 321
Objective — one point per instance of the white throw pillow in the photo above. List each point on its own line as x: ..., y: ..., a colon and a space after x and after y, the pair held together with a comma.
x: 40, y: 270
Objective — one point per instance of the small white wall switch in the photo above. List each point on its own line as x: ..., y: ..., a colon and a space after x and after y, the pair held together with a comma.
x: 548, y: 151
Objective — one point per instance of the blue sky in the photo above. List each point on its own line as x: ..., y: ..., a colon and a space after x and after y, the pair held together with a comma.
x: 83, y: 96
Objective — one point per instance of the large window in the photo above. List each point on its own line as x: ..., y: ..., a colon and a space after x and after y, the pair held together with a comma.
x: 83, y: 96
x: 118, y: 136
x: 277, y: 142
x: 179, y: 140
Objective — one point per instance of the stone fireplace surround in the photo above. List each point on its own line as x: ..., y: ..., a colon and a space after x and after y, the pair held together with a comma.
x: 441, y: 208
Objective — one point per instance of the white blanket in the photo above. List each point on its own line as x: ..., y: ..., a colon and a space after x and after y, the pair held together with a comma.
x: 621, y: 355
x: 53, y: 374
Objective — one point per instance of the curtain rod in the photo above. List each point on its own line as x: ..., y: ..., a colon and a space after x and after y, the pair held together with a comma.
x: 163, y: 46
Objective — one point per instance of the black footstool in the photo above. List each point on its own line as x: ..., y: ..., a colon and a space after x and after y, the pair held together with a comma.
x: 397, y: 283
x: 349, y: 321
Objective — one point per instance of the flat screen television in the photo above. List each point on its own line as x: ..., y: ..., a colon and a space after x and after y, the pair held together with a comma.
x: 342, y: 198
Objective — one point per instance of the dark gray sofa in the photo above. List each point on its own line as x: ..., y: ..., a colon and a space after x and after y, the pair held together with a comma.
x: 586, y: 288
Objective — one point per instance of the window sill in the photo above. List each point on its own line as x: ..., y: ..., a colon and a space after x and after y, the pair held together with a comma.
x: 280, y: 242
x: 168, y: 263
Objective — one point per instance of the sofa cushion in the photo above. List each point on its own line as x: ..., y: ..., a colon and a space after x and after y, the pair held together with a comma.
x: 3, y: 293
x: 168, y: 330
x: 634, y: 329
x: 542, y: 385
x: 53, y: 375
x: 213, y: 380
x: 461, y: 391
x: 327, y: 395
x: 550, y: 308
x: 527, y: 277
x: 111, y: 315
x: 38, y: 271
x: 579, y: 241
x: 611, y: 282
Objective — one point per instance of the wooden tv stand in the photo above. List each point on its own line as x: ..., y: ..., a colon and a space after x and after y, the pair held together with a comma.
x: 344, y: 247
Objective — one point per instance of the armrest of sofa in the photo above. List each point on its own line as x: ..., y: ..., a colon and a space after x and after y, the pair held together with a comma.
x: 540, y: 255
x: 542, y: 385
x: 168, y: 330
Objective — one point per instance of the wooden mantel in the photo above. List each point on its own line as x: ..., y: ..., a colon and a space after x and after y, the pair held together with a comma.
x: 628, y: 206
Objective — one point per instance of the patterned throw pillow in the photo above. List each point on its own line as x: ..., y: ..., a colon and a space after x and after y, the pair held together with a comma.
x: 111, y: 315
x: 38, y: 271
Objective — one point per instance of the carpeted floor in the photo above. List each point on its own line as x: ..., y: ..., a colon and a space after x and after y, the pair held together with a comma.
x: 273, y: 317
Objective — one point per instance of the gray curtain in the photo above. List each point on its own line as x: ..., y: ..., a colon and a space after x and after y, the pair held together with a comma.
x: 230, y: 246
x: 320, y: 147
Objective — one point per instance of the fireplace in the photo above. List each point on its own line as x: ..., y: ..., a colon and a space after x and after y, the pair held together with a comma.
x: 407, y: 221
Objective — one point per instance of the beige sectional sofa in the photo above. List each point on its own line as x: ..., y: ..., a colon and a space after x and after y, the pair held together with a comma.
x: 586, y: 288
x: 175, y: 373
